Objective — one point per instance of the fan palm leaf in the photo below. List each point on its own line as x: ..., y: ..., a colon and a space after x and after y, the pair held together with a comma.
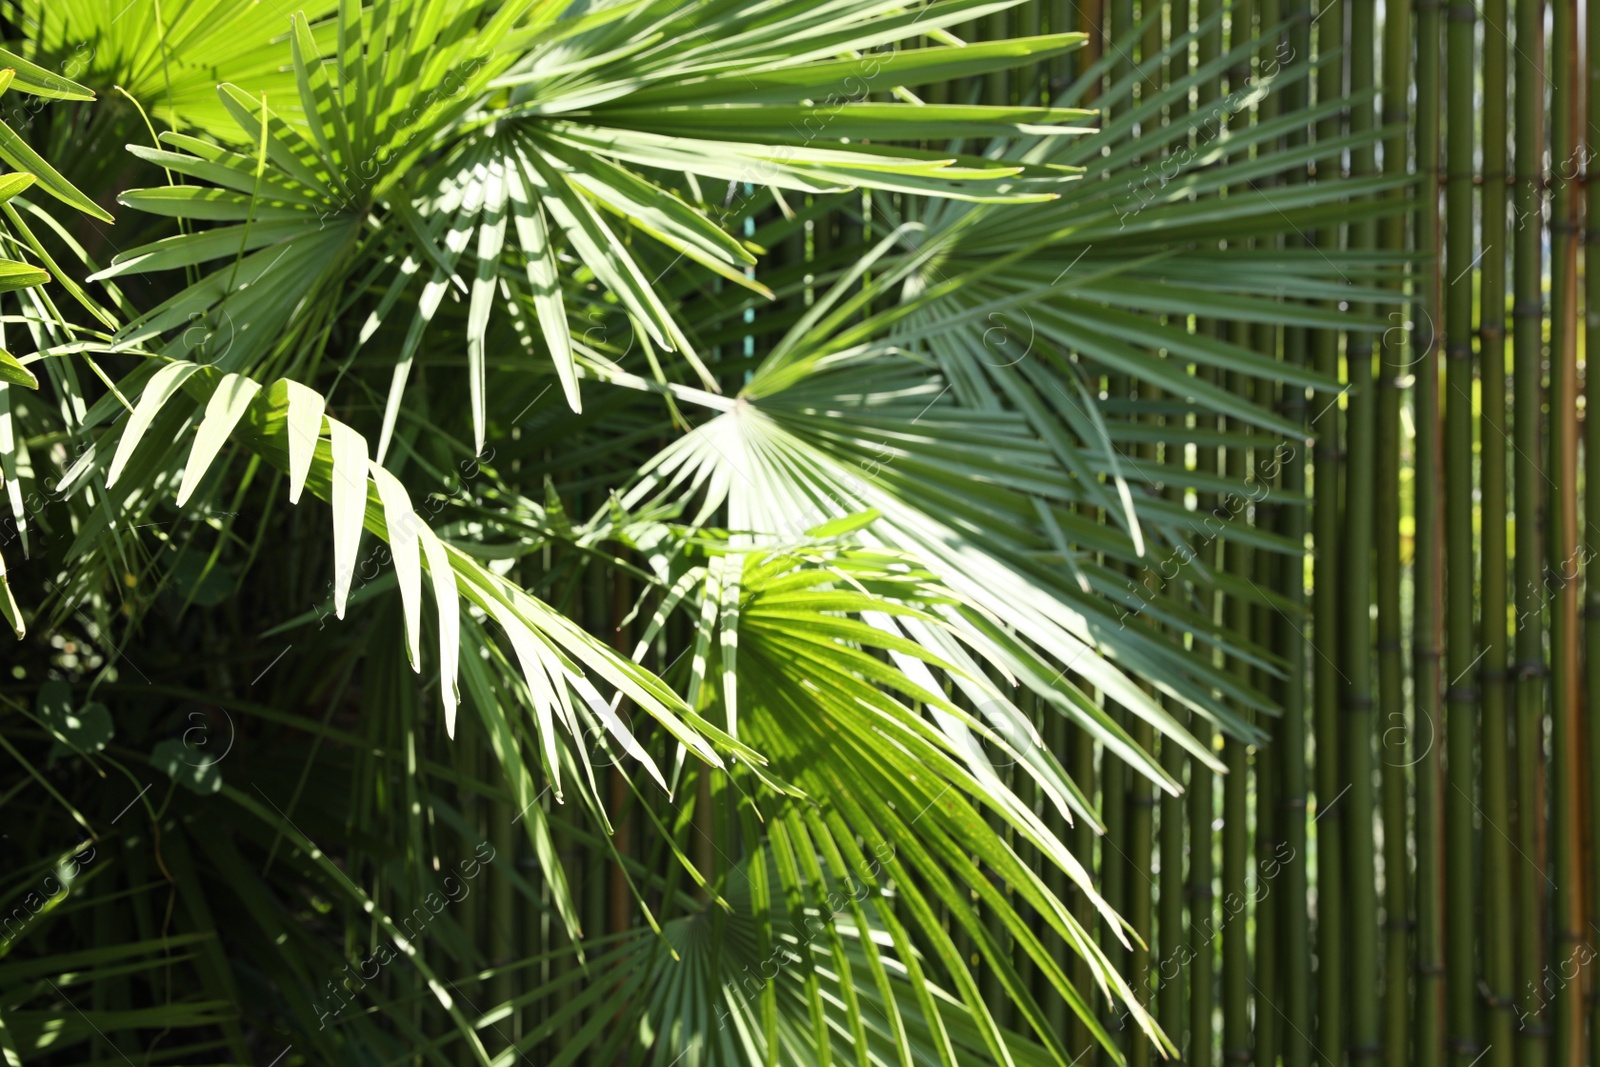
x: 774, y: 575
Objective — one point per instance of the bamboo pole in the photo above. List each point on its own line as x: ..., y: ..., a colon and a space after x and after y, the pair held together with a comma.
x: 1114, y: 866
x: 1265, y: 471
x: 1141, y: 794
x: 1495, y: 387
x: 1561, y: 530
x: 1394, y: 355
x: 1357, y: 590
x: 1119, y: 38
x: 1236, y: 557
x: 1236, y: 754
x: 1080, y: 751
x: 1201, y: 798
x: 1333, y: 941
x: 1426, y: 579
x: 1235, y: 795
x: 1296, y: 904
x: 1172, y: 969
x: 1527, y: 349
x: 1063, y: 18
x: 1586, y: 560
x: 1141, y: 802
x: 1460, y: 725
x: 1201, y: 1050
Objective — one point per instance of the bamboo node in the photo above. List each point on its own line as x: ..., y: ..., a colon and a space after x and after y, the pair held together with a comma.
x: 1526, y: 309
x: 1458, y: 350
x: 1461, y: 13
x: 1464, y: 694
x: 1359, y: 703
x: 1493, y: 1002
x: 1492, y: 331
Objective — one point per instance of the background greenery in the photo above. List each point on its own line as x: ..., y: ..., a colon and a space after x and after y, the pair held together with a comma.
x: 827, y: 557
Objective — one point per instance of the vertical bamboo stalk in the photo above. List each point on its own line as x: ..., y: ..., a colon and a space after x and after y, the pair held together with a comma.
x: 1496, y: 879
x: 1172, y: 966
x: 1092, y: 21
x: 1053, y: 728
x: 997, y: 84
x: 1201, y: 1050
x: 1150, y: 44
x: 1119, y: 37
x: 1080, y: 751
x: 1332, y: 782
x: 1586, y: 559
x: 1357, y: 588
x: 1268, y: 892
x: 1429, y: 1010
x: 1178, y: 61
x: 1561, y: 514
x: 1236, y: 998
x: 1393, y: 359
x: 1201, y: 797
x: 1063, y: 18
x: 1235, y: 808
x: 1141, y: 808
x: 1296, y: 903
x: 1460, y: 725
x: 1265, y: 468
x: 1527, y: 316
x: 1172, y: 970
x: 1114, y: 863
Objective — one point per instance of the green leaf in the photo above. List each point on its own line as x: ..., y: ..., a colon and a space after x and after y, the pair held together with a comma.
x: 14, y: 275
x: 223, y: 412
x: 86, y: 729
x: 350, y: 460
x: 305, y: 429
x: 197, y: 773
x: 31, y: 78
x: 847, y: 524
x: 14, y: 373
x: 163, y: 385
x: 15, y: 151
